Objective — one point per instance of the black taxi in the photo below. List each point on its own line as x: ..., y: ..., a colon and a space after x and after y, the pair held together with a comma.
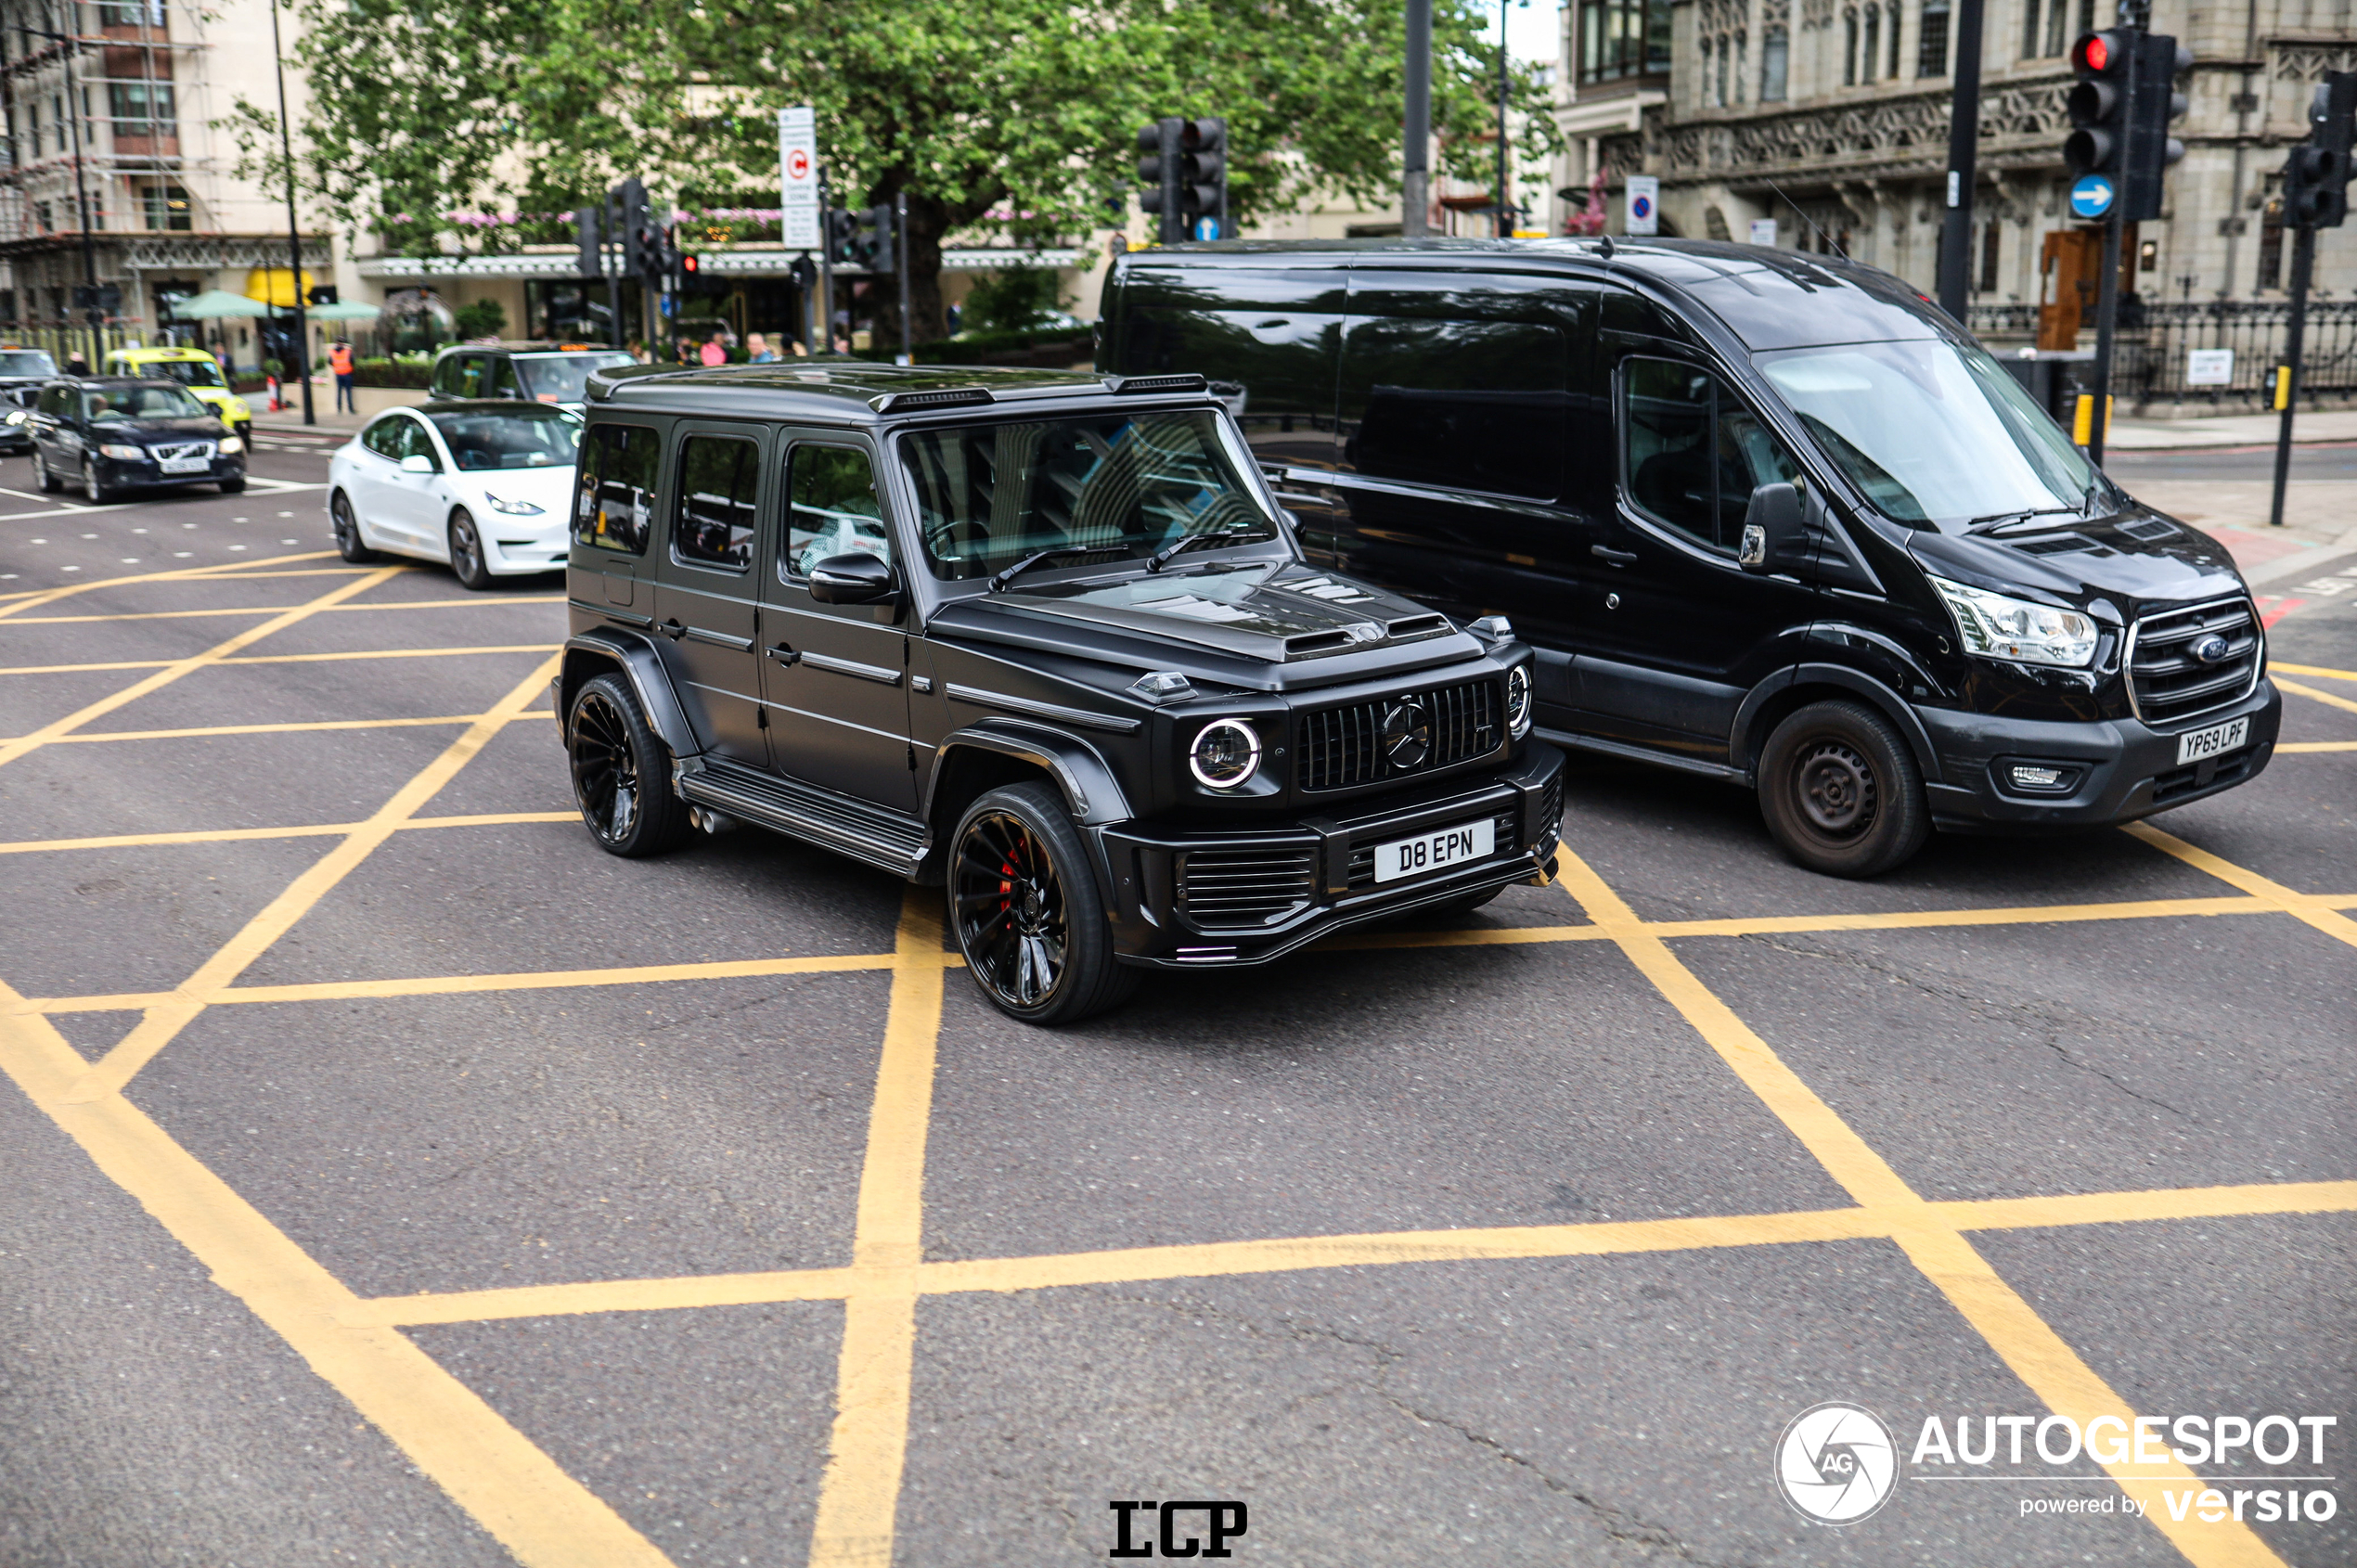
x: 1044, y: 640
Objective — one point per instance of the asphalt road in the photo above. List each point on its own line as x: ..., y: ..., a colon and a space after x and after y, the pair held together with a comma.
x: 2317, y: 460
x: 393, y: 1178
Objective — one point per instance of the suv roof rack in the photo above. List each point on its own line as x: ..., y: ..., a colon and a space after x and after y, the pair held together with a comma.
x: 1118, y: 385
x: 940, y: 397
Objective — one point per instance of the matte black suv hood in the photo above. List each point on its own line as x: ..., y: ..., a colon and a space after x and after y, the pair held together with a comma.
x: 1261, y: 623
x: 2139, y: 556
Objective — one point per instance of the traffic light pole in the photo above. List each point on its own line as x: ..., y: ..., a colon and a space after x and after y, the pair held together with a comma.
x: 1415, y: 186
x: 294, y: 230
x: 2303, y: 262
x: 900, y: 219
x: 2107, y: 328
x: 826, y: 343
x: 1964, y: 147
x: 610, y: 263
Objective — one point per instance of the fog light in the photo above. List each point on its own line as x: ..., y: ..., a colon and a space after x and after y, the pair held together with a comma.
x: 2038, y: 777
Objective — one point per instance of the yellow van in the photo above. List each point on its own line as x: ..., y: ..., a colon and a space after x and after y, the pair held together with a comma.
x: 193, y: 368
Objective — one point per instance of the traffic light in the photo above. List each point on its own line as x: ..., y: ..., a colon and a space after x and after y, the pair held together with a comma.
x: 641, y: 241
x: 2316, y: 177
x: 323, y: 294
x: 843, y: 237
x: 2153, y: 102
x: 872, y: 240
x: 589, y: 241
x: 1184, y: 176
x: 2098, y: 103
x: 690, y: 267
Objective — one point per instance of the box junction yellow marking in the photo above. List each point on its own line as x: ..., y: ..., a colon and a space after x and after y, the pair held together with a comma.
x: 290, y: 658
x: 481, y: 601
x: 11, y: 750
x: 545, y: 1517
x: 316, y: 830
x: 2282, y: 746
x: 2326, y: 671
x: 2310, y: 691
x: 180, y: 573
x: 209, y: 731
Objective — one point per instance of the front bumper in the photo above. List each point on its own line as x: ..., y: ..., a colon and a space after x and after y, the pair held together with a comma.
x: 144, y: 474
x: 2124, y: 768
x: 525, y: 550
x: 1315, y: 877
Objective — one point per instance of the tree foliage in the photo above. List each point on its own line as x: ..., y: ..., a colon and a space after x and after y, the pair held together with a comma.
x: 1020, y: 112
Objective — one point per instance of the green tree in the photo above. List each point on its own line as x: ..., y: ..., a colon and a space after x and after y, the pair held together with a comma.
x: 1022, y: 113
x: 480, y: 319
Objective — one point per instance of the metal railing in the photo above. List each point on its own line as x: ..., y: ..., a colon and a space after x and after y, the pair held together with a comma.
x: 2156, y: 339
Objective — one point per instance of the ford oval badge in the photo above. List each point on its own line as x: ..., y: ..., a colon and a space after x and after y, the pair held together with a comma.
x: 2212, y: 648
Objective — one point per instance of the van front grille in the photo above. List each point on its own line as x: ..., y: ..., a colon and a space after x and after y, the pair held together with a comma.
x: 1341, y: 747
x: 2169, y: 684
x: 1240, y: 889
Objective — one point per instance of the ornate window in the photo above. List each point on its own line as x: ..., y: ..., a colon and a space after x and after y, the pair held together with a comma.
x: 1849, y: 50
x: 1621, y: 38
x: 1892, y: 70
x: 1931, y: 48
x: 1874, y: 43
x: 1775, y: 60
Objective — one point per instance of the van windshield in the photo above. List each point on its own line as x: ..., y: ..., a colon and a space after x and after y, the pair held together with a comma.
x: 1123, y: 484
x: 1937, y: 436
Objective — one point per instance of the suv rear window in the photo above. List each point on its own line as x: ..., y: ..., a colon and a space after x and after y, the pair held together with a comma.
x: 615, y: 499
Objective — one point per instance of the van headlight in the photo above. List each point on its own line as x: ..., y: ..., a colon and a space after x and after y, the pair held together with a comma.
x: 1518, y: 700
x: 1225, y: 754
x: 1996, y: 626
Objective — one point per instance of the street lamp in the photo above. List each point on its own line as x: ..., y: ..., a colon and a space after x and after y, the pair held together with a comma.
x: 80, y: 192
x: 294, y: 230
x: 1506, y: 208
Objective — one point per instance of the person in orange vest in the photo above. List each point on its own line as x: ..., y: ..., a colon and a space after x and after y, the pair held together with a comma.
x: 339, y: 361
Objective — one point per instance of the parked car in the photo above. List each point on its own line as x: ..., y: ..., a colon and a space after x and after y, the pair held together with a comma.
x: 482, y: 486
x: 193, y: 368
x: 1769, y: 518
x: 23, y: 372
x: 110, y: 435
x: 1039, y: 638
x: 527, y: 372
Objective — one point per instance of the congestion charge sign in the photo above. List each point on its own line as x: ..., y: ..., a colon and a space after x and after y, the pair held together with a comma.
x: 2091, y: 197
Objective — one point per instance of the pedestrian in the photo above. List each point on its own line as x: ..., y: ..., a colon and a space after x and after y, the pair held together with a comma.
x: 76, y: 365
x: 714, y: 350
x: 757, y: 350
x: 347, y: 379
x: 638, y: 352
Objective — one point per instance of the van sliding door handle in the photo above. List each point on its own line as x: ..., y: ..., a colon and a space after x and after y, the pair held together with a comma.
x: 1619, y: 558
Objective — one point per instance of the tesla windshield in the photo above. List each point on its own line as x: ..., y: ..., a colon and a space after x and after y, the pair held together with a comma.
x: 991, y: 497
x: 513, y: 438
x: 1935, y: 434
x: 563, y: 378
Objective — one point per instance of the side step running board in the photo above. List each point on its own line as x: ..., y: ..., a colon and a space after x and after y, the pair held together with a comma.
x: 886, y: 840
x: 1719, y: 771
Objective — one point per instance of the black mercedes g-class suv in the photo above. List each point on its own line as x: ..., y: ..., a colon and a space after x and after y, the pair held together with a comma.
x: 1046, y: 638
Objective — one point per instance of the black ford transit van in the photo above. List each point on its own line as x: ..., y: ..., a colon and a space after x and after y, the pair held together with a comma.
x: 1767, y: 516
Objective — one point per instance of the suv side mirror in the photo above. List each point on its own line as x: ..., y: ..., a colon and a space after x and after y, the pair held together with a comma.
x: 1775, y: 539
x: 417, y: 463
x: 853, y: 579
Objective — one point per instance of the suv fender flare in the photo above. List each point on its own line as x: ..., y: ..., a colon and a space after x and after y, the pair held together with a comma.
x: 1090, y: 790
x: 1742, y: 743
x: 591, y: 653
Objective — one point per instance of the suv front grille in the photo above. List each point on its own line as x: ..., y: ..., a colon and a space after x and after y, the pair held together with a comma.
x: 2167, y: 682
x: 1341, y: 747
x: 1239, y: 888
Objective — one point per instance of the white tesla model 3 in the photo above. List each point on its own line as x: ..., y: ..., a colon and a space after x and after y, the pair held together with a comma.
x: 483, y: 486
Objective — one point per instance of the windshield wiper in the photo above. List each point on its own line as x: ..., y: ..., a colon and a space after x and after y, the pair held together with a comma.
x: 999, y: 584
x: 1232, y: 534
x: 1996, y: 520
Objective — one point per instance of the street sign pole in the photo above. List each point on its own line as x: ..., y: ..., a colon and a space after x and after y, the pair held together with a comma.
x: 1964, y: 146
x: 2303, y: 262
x: 826, y: 343
x: 900, y: 218
x: 802, y: 207
x: 2106, y: 324
x: 1415, y: 187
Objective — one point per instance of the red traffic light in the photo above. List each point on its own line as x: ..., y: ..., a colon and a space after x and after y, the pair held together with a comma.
x: 2100, y: 54
x: 691, y: 264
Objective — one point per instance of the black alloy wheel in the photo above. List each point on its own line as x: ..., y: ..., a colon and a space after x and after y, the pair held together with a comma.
x: 1025, y: 911
x: 620, y: 773
x: 44, y: 475
x: 466, y: 552
x: 1841, y: 790
x: 349, y: 544
x: 99, y: 491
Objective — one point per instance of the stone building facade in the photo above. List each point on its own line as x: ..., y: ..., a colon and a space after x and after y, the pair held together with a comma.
x: 1831, y: 118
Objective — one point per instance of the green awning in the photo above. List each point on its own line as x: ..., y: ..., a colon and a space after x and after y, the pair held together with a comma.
x: 344, y: 311
x: 217, y: 302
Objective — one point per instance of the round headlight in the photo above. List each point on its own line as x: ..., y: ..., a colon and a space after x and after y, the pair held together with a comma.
x: 1518, y: 698
x: 1226, y: 752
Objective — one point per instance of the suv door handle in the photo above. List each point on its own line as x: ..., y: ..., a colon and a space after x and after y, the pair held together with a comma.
x: 784, y: 655
x: 672, y: 629
x: 1619, y: 558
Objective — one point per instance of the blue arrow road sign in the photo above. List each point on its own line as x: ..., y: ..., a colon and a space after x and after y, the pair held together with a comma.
x: 2092, y: 196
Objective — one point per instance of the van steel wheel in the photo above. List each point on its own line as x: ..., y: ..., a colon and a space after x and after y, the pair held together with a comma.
x: 349, y: 544
x: 620, y: 773
x: 1025, y: 911
x: 1841, y: 790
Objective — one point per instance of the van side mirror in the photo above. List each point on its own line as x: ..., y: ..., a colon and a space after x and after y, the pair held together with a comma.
x: 853, y: 579
x: 1775, y: 539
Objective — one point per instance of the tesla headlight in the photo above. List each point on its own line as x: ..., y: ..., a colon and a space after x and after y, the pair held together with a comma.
x: 122, y: 453
x: 1226, y: 752
x: 1995, y: 626
x: 231, y: 446
x: 513, y: 508
x: 1518, y: 699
